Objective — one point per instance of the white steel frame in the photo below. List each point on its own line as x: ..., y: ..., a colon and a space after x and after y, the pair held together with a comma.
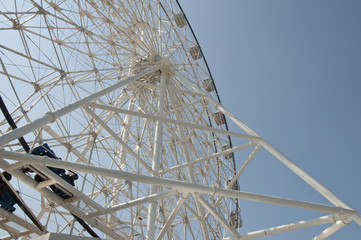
x: 134, y: 122
x: 348, y: 214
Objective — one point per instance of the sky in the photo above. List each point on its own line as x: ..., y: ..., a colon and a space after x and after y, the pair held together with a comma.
x: 291, y: 71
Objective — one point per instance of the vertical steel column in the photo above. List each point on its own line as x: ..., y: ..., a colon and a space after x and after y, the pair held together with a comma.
x: 171, y: 218
x: 189, y: 167
x: 213, y: 211
x: 123, y: 153
x: 157, y: 154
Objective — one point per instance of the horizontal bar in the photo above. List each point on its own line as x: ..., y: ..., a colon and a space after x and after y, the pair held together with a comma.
x: 134, y: 202
x: 287, y: 228
x: 214, y: 155
x: 176, y: 122
x: 184, y: 186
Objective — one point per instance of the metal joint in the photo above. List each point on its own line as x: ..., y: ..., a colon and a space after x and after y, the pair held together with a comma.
x: 51, y: 114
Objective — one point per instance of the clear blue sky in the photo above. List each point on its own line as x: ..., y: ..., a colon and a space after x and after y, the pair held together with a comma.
x: 291, y: 70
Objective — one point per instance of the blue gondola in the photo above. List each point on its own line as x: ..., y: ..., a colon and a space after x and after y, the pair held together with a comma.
x: 7, y: 202
x: 44, y: 150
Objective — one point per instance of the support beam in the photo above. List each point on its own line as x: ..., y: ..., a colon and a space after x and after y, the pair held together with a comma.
x: 123, y: 138
x: 171, y: 218
x: 287, y: 228
x: 171, y: 121
x: 19, y: 221
x: 56, y: 179
x: 135, y: 202
x: 276, y: 153
x: 186, y: 151
x: 60, y: 201
x: 183, y: 186
x: 12, y: 230
x: 246, y: 163
x: 216, y: 215
x: 157, y: 157
x: 30, y: 58
x: 20, y: 234
x: 240, y: 171
x: 214, y: 155
x: 117, y: 138
x: 52, y: 116
x: 329, y: 231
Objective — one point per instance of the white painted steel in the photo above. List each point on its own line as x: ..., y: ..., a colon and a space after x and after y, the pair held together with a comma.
x: 11, y: 217
x: 190, y: 168
x: 183, y: 186
x: 119, y: 86
x: 177, y: 122
x: 56, y: 199
x: 291, y: 165
x: 157, y: 158
x: 135, y: 202
x: 170, y: 219
x: 240, y: 171
x: 119, y: 140
x: 287, y: 227
x: 329, y: 231
x: 50, y: 117
x: 217, y: 215
x: 286, y: 161
x: 222, y: 153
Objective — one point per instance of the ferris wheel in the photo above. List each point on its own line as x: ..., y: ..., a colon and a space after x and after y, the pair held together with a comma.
x: 113, y: 128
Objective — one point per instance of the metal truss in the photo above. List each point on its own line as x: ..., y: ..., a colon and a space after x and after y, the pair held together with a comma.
x: 121, y: 92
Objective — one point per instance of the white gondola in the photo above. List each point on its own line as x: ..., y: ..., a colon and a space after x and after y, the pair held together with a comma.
x: 235, y: 186
x: 235, y: 219
x: 195, y: 52
x: 180, y: 20
x: 228, y: 155
x: 208, y: 85
x: 219, y: 118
